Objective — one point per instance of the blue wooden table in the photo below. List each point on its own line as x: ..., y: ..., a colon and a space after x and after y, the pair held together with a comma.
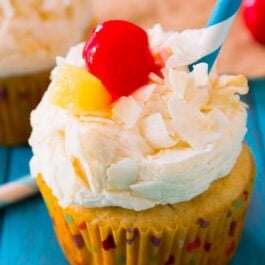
x: 26, y: 234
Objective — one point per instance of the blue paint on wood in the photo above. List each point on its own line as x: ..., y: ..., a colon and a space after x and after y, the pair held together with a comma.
x: 27, y: 237
x: 3, y: 204
x: 19, y: 162
x: 3, y: 163
x: 251, y: 247
x: 3, y: 173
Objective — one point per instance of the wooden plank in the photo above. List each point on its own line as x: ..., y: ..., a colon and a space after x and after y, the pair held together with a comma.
x: 3, y: 163
x: 27, y: 236
x: 3, y: 171
x: 251, y: 247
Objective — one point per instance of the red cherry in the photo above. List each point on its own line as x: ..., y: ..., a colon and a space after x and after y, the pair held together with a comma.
x: 118, y: 53
x: 254, y: 16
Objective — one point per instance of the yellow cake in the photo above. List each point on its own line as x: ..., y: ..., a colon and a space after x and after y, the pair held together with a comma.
x: 157, y: 175
x: 205, y: 230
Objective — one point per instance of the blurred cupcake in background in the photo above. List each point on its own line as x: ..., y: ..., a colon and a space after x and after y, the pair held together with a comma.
x: 32, y: 33
x: 240, y: 51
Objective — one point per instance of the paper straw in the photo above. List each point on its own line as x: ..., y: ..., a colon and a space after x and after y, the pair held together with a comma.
x: 17, y: 190
x: 217, y: 29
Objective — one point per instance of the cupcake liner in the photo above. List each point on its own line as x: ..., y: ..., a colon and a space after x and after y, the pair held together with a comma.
x: 206, y: 241
x: 18, y: 96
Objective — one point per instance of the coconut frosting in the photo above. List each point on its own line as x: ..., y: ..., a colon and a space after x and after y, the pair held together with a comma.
x: 33, y: 33
x: 165, y: 143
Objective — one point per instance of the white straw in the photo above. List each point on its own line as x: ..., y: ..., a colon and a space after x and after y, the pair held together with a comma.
x: 17, y: 190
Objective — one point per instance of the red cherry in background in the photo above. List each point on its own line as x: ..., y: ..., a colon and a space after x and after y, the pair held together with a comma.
x: 118, y: 53
x: 254, y: 17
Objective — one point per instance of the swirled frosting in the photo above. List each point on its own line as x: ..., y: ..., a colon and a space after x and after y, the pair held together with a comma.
x: 163, y: 144
x: 33, y: 33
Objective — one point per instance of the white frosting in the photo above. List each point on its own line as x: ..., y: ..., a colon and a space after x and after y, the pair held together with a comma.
x: 165, y: 143
x: 33, y: 33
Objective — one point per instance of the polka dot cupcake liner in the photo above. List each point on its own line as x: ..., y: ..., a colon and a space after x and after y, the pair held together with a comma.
x: 206, y: 241
x: 18, y: 96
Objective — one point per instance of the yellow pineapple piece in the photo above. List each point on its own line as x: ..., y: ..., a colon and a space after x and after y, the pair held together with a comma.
x: 79, y: 91
x: 238, y: 80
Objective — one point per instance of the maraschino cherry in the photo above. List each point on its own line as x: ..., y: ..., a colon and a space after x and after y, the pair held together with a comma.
x: 117, y: 52
x: 254, y: 16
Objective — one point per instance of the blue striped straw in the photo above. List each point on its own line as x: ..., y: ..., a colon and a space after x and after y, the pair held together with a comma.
x: 217, y: 29
x: 17, y: 190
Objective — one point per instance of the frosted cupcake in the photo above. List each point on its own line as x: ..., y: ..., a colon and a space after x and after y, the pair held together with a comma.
x: 139, y: 159
x: 32, y: 33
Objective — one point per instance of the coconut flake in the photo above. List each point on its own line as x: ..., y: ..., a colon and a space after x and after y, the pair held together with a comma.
x: 144, y: 93
x: 126, y: 111
x: 154, y: 130
x: 149, y: 190
x: 186, y: 119
x: 195, y: 127
x: 157, y: 36
x: 200, y: 74
x: 217, y: 122
x: 198, y: 97
x: 122, y: 174
x: 235, y: 81
x: 178, y: 81
x: 185, y: 49
x: 156, y: 190
x: 75, y: 57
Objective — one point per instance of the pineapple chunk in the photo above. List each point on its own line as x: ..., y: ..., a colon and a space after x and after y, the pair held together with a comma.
x: 79, y: 91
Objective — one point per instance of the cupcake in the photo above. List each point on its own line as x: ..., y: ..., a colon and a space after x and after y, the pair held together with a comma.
x: 32, y: 33
x: 141, y: 160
